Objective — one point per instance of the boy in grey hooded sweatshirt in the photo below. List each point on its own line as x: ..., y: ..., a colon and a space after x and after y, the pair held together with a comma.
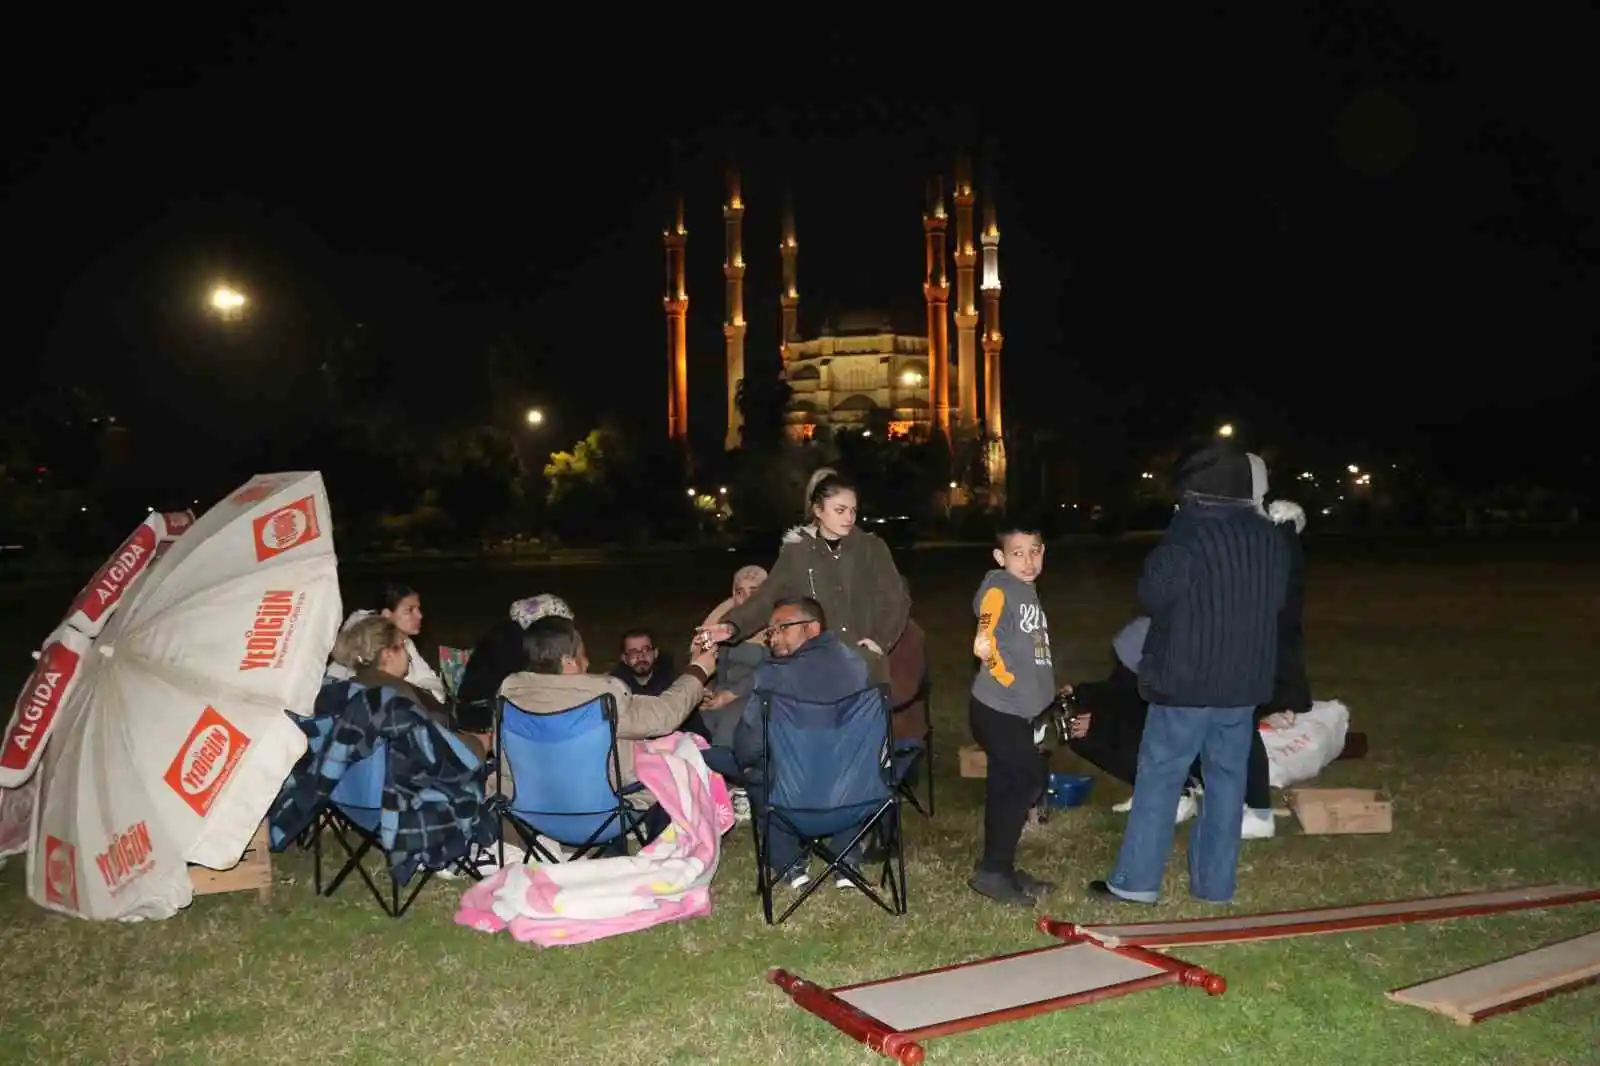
x: 1014, y: 685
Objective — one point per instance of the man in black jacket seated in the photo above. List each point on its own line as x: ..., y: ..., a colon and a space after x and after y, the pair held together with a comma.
x: 1213, y: 589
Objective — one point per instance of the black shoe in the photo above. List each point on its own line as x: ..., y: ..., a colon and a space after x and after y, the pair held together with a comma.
x: 1002, y: 888
x: 1033, y: 886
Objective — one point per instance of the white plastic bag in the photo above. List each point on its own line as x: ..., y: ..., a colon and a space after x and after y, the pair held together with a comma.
x: 1300, y: 746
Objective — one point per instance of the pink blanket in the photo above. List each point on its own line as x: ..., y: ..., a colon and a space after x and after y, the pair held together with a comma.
x: 574, y: 902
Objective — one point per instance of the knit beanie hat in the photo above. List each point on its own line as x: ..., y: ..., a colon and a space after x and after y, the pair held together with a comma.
x: 1213, y: 470
x: 528, y: 611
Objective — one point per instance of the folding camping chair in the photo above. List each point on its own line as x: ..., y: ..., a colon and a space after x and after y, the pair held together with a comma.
x: 827, y: 776
x: 354, y: 818
x: 910, y: 756
x: 562, y: 769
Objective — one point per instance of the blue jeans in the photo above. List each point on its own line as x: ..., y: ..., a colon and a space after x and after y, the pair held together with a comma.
x: 1173, y: 736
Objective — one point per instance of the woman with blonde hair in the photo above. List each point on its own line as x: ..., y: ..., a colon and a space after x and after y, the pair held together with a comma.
x: 375, y: 653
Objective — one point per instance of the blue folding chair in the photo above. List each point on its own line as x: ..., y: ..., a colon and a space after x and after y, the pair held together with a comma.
x: 563, y: 769
x: 826, y: 778
x: 354, y: 817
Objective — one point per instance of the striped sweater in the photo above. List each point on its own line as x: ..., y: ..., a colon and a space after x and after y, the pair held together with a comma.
x: 1213, y: 590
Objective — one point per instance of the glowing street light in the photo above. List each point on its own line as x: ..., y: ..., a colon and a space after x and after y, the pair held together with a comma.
x: 534, y: 417
x: 1353, y: 468
x: 1225, y: 430
x: 911, y: 378
x: 228, y: 302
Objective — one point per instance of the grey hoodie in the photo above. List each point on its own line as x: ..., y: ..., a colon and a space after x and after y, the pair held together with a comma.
x: 1019, y: 678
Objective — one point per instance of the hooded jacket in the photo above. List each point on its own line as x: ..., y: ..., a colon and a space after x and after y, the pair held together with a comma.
x: 859, y: 587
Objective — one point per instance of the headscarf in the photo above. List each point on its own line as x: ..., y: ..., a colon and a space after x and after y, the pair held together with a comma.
x: 528, y: 611
x: 740, y: 576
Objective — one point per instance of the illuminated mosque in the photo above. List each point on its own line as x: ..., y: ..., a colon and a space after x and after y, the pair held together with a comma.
x: 860, y: 369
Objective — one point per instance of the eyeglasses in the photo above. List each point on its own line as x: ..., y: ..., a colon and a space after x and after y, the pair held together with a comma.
x: 638, y: 653
x: 774, y: 627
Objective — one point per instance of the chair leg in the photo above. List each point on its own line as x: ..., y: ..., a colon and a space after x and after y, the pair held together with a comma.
x: 927, y: 759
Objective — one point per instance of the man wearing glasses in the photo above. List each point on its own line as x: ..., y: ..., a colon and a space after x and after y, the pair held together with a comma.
x: 809, y: 663
x: 644, y: 668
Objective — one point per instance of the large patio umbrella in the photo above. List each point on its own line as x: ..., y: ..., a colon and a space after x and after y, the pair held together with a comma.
x: 157, y: 708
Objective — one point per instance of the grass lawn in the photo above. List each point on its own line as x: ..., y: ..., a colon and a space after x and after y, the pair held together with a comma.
x: 1472, y: 671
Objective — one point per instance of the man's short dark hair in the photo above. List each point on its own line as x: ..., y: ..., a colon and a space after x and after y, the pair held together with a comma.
x: 810, y: 607
x: 548, y: 641
x: 630, y: 634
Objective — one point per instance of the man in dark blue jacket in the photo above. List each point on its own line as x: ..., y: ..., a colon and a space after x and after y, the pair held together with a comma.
x: 1213, y: 589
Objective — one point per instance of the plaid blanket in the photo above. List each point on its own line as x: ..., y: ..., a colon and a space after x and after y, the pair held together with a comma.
x: 433, y: 802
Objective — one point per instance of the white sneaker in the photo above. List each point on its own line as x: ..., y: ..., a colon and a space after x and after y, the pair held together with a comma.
x: 800, y: 880
x: 1257, y: 825
x: 1188, y: 807
x: 1124, y: 807
x: 740, y: 800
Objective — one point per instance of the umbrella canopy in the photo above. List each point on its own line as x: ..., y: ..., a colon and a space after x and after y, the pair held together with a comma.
x: 163, y: 694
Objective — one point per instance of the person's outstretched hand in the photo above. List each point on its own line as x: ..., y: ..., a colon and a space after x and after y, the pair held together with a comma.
x: 713, y: 634
x: 983, y: 646
x: 706, y: 660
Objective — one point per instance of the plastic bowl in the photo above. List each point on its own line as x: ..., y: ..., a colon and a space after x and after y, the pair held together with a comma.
x: 1069, y: 790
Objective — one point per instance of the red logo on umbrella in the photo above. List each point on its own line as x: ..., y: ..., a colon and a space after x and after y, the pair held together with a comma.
x: 206, y: 761
x: 60, y: 873
x: 287, y: 527
x: 37, y: 706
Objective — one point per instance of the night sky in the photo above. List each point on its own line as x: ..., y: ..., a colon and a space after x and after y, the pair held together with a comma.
x: 1372, y: 226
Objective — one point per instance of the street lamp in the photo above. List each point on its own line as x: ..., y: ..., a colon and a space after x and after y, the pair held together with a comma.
x: 535, y: 417
x: 911, y: 379
x: 1225, y: 430
x: 227, y: 302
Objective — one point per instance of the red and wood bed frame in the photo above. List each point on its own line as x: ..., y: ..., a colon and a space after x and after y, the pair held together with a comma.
x: 893, y: 1015
x: 1093, y: 963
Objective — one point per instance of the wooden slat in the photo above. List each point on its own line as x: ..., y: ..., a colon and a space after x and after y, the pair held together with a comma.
x: 1508, y: 984
x: 1336, y: 919
x: 253, y: 871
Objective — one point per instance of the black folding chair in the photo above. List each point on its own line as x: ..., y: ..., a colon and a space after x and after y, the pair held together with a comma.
x: 353, y: 817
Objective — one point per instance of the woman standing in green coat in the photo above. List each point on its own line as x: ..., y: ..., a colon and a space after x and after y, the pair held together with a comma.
x: 850, y: 573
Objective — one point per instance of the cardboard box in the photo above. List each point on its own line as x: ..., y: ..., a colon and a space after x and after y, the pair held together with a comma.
x: 1342, y: 810
x: 974, y: 761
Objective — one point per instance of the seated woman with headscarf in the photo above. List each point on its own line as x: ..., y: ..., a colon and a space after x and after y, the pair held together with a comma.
x: 499, y: 653
x: 736, y: 664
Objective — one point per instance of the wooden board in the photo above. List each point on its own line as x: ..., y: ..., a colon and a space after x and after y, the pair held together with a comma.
x: 253, y: 871
x: 1281, y: 924
x: 1509, y: 984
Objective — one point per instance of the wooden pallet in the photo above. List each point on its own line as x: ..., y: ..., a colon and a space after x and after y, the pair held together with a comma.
x: 1334, y: 919
x: 253, y: 871
x: 1509, y: 984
